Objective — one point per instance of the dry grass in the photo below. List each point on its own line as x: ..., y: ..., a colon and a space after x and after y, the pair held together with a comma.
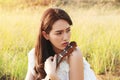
x: 95, y: 30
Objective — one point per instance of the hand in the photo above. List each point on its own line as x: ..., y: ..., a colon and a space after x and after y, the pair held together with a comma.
x: 50, y: 65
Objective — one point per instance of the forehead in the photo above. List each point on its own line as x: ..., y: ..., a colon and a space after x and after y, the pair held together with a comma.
x: 60, y: 25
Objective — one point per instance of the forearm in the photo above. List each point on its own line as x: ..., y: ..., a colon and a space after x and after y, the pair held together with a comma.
x: 76, y: 66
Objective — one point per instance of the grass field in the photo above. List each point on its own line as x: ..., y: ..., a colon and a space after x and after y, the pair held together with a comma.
x: 96, y: 31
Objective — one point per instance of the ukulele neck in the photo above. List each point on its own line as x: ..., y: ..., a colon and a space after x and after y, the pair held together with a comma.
x: 67, y: 51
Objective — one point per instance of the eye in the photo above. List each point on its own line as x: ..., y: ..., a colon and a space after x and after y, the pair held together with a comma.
x: 58, y: 33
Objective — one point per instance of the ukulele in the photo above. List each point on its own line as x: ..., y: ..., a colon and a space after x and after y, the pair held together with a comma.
x: 66, y: 52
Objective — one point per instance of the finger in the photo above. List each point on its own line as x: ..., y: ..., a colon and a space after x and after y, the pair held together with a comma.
x: 50, y: 58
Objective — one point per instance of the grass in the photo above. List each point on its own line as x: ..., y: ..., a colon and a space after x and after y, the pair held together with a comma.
x: 15, y: 43
x: 95, y: 31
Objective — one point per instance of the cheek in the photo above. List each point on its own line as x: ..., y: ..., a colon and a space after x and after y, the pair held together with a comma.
x: 69, y: 36
x: 54, y: 38
x: 55, y: 41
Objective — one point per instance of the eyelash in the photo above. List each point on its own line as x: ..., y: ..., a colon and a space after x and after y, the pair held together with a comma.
x: 59, y: 33
x: 68, y: 30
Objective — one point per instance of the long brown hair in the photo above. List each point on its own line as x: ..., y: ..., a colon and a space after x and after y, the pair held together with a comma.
x: 43, y: 48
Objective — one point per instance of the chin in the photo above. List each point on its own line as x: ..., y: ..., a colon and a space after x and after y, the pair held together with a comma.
x: 62, y: 48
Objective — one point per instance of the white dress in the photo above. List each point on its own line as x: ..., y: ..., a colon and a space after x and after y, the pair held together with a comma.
x: 63, y: 69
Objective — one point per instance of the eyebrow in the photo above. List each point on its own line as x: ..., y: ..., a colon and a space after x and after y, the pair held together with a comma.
x: 62, y: 30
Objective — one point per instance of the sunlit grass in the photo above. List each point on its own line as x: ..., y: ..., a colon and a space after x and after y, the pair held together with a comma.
x: 17, y: 35
x: 97, y: 35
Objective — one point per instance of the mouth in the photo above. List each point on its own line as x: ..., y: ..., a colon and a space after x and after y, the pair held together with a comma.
x: 65, y: 44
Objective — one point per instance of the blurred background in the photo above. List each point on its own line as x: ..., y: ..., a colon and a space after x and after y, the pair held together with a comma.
x: 96, y: 29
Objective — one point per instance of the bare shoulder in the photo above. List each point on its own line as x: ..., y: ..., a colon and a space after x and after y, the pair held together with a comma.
x: 76, y: 56
x: 76, y: 53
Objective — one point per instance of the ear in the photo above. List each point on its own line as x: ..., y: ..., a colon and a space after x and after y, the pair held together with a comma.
x: 45, y: 35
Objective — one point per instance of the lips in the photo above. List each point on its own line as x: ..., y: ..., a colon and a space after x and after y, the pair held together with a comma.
x: 65, y: 44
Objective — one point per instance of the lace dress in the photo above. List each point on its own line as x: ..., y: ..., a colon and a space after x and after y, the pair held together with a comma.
x: 63, y: 69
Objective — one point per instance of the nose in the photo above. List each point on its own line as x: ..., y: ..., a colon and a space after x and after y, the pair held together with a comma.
x: 66, y: 37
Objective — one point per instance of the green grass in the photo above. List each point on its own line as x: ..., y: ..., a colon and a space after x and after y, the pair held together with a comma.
x: 95, y: 31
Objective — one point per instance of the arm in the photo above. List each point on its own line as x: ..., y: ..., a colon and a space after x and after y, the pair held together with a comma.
x: 76, y: 65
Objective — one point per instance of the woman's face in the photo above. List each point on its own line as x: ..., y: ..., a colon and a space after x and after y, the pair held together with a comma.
x: 60, y: 34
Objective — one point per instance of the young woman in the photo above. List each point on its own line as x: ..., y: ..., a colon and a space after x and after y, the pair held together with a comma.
x: 54, y: 36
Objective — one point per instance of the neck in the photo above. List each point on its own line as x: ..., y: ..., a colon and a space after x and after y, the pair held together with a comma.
x: 57, y: 51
